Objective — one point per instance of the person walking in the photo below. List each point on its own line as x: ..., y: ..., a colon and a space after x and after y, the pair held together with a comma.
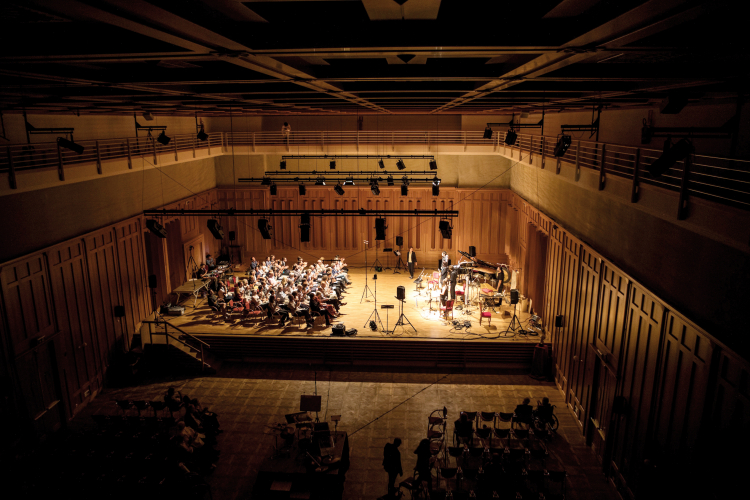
x: 392, y: 464
x: 411, y: 262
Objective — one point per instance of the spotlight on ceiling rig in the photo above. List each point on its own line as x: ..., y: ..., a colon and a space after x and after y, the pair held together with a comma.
x: 282, y: 164
x: 332, y: 164
x: 64, y: 143
x: 374, y: 187
x: 215, y: 228
x: 435, y: 186
x: 510, y: 137
x: 380, y: 228
x: 389, y: 180
x: 266, y: 181
x: 156, y: 228
x: 400, y: 164
x: 264, y: 228
x: 349, y: 181
x: 304, y: 228
x: 380, y: 163
x: 433, y: 165
x: 273, y: 189
x: 563, y: 143
x: 163, y: 139
x: 446, y: 231
x: 302, y: 190
x: 488, y: 133
x: 670, y: 156
x: 339, y: 190
x: 202, y: 135
x: 320, y: 181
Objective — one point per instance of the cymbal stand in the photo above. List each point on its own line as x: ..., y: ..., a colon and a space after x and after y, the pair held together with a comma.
x: 402, y: 319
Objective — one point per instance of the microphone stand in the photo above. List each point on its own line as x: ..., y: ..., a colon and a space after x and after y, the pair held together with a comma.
x: 366, y: 292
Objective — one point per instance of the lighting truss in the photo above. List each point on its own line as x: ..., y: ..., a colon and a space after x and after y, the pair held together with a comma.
x: 231, y: 212
x: 343, y: 178
x: 359, y: 157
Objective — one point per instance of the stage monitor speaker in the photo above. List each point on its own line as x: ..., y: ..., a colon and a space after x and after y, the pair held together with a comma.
x: 156, y: 228
x: 232, y: 235
x: 152, y: 281
x: 514, y: 296
x: 559, y: 321
x: 215, y: 228
x: 309, y: 403
x: 399, y: 240
x: 472, y: 251
x: 119, y: 311
x: 401, y: 293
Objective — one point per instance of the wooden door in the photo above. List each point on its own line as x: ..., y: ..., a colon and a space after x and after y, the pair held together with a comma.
x: 604, y: 384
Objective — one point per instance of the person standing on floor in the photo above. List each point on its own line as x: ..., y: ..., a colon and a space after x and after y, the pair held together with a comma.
x: 411, y: 261
x: 392, y: 464
x: 286, y: 129
x: 423, y: 464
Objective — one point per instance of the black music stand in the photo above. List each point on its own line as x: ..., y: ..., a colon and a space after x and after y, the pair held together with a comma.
x: 402, y: 319
x: 375, y: 310
x: 387, y: 252
x: 387, y: 307
x: 399, y: 263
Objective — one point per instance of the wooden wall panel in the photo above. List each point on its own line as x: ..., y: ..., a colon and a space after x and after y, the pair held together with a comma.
x: 564, y: 337
x: 320, y: 227
x: 133, y: 280
x: 104, y: 284
x: 638, y: 373
x: 585, y: 327
x: 731, y: 394
x: 611, y: 323
x: 175, y: 255
x: 514, y: 249
x: 482, y: 223
x: 81, y: 364
x: 553, y: 278
x: 28, y: 305
x: 684, y: 377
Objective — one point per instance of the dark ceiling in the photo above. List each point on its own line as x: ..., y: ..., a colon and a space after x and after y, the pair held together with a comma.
x: 366, y: 56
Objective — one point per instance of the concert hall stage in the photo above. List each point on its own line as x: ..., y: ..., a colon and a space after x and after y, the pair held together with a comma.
x: 435, y: 342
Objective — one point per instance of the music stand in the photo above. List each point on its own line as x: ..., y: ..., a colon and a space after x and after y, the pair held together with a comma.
x: 310, y: 403
x: 367, y: 290
x: 387, y: 307
x: 402, y: 319
x: 375, y: 310
x: 387, y: 252
x: 399, y: 263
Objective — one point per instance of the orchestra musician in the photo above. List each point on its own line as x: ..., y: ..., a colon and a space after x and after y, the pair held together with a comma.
x: 411, y: 262
x: 445, y: 263
x: 452, y: 280
x: 443, y: 291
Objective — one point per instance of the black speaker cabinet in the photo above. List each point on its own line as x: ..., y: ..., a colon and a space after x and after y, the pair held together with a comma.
x: 309, y: 403
x: 472, y: 251
x: 215, y: 228
x: 399, y: 240
x: 152, y: 281
x: 514, y: 296
x: 559, y: 321
x: 119, y: 311
x: 231, y: 235
x: 401, y: 293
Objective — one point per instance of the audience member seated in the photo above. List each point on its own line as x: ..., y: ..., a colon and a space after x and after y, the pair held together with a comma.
x: 523, y: 412
x: 544, y: 410
x: 464, y: 430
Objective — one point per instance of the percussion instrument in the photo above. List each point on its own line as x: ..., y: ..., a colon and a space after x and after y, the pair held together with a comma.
x: 493, y: 283
x: 484, y: 270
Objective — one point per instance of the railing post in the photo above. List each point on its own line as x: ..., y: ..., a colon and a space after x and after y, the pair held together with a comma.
x: 253, y: 142
x: 464, y: 132
x: 428, y: 141
x: 636, y: 167
x: 12, y: 169
x: 393, y: 141
x: 209, y: 144
x: 127, y: 148
x: 175, y: 147
x: 60, y: 167
x: 601, y: 167
x: 203, y: 363
x: 194, y: 140
x: 542, y: 142
x: 531, y: 147
x: 98, y: 159
x: 357, y: 140
x: 682, y: 209
x: 153, y: 148
x: 578, y: 159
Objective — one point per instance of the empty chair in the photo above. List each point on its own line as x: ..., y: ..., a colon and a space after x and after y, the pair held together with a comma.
x: 157, y: 406
x: 484, y: 314
x: 456, y: 452
x: 124, y: 406
x: 555, y: 484
x: 140, y: 405
x: 434, y: 281
x: 448, y: 307
x: 448, y: 473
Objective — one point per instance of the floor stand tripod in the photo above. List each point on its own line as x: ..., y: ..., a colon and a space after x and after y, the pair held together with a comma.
x: 387, y: 257
x: 514, y: 324
x: 402, y: 319
x: 366, y: 292
x: 399, y: 263
x: 375, y: 310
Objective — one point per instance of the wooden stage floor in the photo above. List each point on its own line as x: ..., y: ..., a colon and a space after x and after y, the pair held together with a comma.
x: 356, y: 314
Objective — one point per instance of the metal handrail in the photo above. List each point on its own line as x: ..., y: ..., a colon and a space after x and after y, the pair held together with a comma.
x: 620, y: 160
x: 167, y: 336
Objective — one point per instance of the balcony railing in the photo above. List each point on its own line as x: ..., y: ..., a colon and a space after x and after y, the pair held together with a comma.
x: 722, y: 180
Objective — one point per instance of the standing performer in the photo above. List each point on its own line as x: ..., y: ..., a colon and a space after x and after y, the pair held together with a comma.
x: 411, y: 261
x: 445, y: 263
x: 453, y: 279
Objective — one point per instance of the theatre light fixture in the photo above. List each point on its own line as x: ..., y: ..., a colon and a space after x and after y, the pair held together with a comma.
x: 264, y: 228
x: 381, y: 164
x: 433, y: 165
x: 302, y: 190
x: 64, y: 143
x: 202, y: 135
x: 389, y: 180
x: 349, y: 181
x: 333, y: 164
x: 163, y: 139
x: 266, y: 181
x: 400, y: 164
x: 339, y: 190
x: 273, y: 189
x: 320, y: 181
x: 374, y: 187
x: 488, y: 132
x: 446, y: 231
x: 563, y: 143
x: 282, y: 164
x: 670, y: 156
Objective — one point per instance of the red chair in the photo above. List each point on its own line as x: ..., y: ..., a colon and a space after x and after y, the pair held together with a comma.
x: 484, y: 314
x: 434, y: 281
x: 253, y: 313
x: 460, y: 293
x: 447, y: 307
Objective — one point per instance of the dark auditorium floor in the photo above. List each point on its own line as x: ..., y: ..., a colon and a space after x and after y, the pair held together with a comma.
x: 376, y: 405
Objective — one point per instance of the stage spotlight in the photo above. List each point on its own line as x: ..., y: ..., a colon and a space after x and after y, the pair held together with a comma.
x: 380, y: 228
x: 273, y: 189
x: 163, y: 139
x: 404, y: 190
x: 563, y: 143
x: 435, y: 190
x: 670, y: 156
x: 332, y: 164
x: 215, y: 228
x: 510, y: 137
x: 349, y: 181
x: 64, y: 143
x: 282, y: 164
x: 264, y: 228
x: 148, y: 116
x: 156, y: 228
x: 266, y: 181
x: 202, y: 135
x: 488, y: 133
x: 389, y: 180
x: 320, y: 181
x: 400, y: 164
x: 433, y: 165
x: 339, y: 190
x: 302, y: 190
x: 374, y: 187
x: 381, y: 164
x: 446, y: 231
